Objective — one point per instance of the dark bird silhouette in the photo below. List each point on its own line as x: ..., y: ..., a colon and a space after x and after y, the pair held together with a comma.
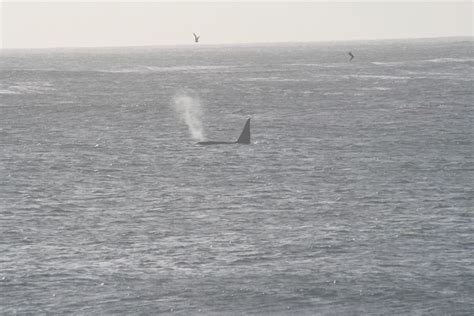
x: 196, y: 38
x: 352, y: 56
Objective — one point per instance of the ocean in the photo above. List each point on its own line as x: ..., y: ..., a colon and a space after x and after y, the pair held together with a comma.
x: 355, y: 196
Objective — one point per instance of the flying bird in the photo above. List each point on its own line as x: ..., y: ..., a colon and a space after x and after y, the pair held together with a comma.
x: 196, y: 38
x: 352, y: 56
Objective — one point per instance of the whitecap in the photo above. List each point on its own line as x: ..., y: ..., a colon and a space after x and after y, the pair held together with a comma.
x: 184, y: 68
x: 383, y: 77
x: 26, y: 87
x: 449, y: 60
x: 388, y: 63
x: 272, y: 79
x: 6, y: 91
x: 377, y: 88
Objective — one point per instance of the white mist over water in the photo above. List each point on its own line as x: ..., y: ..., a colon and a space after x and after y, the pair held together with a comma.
x: 190, y: 111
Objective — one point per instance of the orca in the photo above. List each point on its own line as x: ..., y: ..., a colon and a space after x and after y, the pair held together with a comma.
x: 352, y: 56
x: 243, y: 139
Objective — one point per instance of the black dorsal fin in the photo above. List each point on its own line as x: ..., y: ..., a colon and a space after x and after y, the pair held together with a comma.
x: 245, y: 136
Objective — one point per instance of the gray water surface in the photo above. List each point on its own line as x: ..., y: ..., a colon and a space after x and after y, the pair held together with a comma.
x: 355, y: 196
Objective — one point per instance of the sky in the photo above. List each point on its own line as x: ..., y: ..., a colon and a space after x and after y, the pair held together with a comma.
x: 37, y: 24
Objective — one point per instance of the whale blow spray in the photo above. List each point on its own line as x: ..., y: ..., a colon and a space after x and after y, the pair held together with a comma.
x: 190, y: 111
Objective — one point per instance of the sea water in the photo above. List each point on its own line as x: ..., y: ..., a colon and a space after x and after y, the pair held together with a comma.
x: 355, y: 196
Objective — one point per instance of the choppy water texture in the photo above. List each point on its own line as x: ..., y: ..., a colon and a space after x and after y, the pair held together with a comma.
x: 355, y: 196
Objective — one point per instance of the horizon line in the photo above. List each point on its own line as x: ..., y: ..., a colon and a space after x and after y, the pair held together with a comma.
x: 471, y: 37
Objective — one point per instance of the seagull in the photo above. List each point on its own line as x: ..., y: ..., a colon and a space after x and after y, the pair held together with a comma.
x: 352, y: 56
x: 196, y: 38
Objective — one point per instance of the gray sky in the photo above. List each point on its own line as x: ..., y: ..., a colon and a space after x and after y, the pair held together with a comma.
x: 106, y: 23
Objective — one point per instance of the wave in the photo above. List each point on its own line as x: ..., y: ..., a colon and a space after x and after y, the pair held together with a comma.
x: 434, y: 60
x: 376, y: 89
x: 449, y: 60
x: 388, y: 63
x: 383, y: 77
x: 439, y: 75
x: 6, y: 91
x: 321, y: 65
x: 272, y: 79
x: 152, y: 69
x: 26, y: 87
